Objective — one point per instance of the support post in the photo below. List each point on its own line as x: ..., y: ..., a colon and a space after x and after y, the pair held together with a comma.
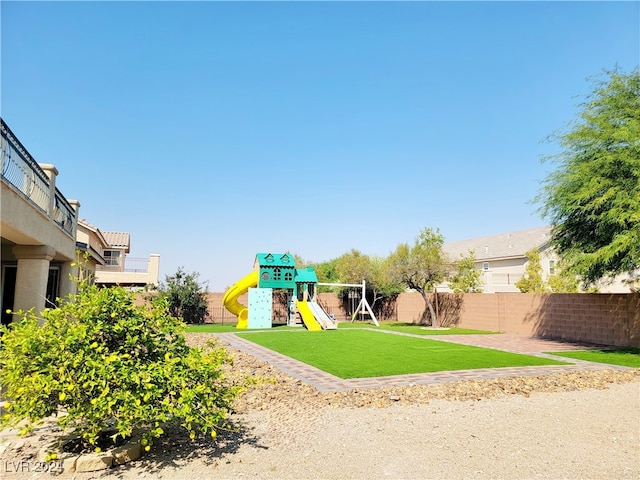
x: 32, y: 276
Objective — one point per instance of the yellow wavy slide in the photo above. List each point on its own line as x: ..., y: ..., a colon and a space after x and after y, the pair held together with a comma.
x: 230, y: 299
x: 307, y: 316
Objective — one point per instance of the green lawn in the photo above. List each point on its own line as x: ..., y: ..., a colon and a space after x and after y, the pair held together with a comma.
x: 416, y: 329
x: 393, y: 326
x: 230, y: 327
x: 359, y: 353
x: 629, y: 357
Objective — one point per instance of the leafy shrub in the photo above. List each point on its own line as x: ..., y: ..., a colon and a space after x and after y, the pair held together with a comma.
x: 99, y: 361
x: 186, y: 297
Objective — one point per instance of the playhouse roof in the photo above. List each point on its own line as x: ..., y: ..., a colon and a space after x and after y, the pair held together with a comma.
x: 307, y: 275
x: 275, y: 260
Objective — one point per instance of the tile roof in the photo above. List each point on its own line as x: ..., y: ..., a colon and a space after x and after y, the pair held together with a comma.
x: 118, y: 240
x: 504, y: 245
x: 84, y: 222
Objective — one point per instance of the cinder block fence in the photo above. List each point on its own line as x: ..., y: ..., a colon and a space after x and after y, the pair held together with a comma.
x: 608, y: 319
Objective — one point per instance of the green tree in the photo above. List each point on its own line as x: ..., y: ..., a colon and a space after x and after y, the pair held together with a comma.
x: 420, y: 267
x: 532, y: 281
x: 383, y: 286
x: 186, y: 297
x: 592, y: 199
x: 327, y: 273
x: 466, y: 278
x: 354, y: 267
x: 299, y: 261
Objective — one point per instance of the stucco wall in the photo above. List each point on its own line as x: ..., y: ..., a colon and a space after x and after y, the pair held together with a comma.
x: 23, y: 224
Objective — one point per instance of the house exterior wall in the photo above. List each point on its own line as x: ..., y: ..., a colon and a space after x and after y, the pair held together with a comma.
x: 119, y: 276
x: 90, y: 250
x: 22, y: 224
x: 33, y: 243
x: 38, y: 230
x: 501, y: 274
x: 506, y: 255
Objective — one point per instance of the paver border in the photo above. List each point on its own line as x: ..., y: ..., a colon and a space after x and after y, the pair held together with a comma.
x: 326, y: 382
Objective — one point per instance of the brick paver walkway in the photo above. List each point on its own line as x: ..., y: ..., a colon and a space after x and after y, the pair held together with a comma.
x: 508, y: 342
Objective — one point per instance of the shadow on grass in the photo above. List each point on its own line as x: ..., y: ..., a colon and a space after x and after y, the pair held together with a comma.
x: 399, y: 324
x: 427, y: 330
x: 175, y: 449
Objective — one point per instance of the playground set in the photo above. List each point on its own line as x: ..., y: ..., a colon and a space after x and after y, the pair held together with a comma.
x: 271, y: 272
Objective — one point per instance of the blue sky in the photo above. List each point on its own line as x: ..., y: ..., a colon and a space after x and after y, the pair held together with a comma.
x: 211, y: 131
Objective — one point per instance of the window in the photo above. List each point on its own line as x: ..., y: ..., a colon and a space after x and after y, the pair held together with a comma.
x: 53, y: 287
x: 485, y: 266
x: 552, y: 267
x: 9, y: 273
x: 112, y: 257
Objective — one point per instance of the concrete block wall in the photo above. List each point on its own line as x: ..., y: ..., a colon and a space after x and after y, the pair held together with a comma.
x: 409, y: 307
x: 332, y: 304
x: 608, y: 319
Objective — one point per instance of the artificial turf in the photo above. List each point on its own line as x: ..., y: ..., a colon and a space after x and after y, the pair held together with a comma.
x: 359, y: 353
x: 229, y: 327
x: 417, y: 329
x: 629, y: 357
x: 393, y: 326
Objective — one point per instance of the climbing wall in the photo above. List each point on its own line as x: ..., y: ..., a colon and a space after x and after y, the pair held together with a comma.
x: 260, y: 307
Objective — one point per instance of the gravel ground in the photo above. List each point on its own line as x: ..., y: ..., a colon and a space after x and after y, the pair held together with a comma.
x: 579, y: 425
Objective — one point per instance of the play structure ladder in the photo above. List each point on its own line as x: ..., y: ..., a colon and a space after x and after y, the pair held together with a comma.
x: 321, y: 316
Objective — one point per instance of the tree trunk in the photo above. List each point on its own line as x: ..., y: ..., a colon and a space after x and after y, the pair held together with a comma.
x: 429, y: 309
x: 434, y: 318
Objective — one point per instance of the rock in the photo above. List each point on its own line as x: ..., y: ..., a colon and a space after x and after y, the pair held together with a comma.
x: 94, y: 461
x: 4, y: 445
x: 127, y: 452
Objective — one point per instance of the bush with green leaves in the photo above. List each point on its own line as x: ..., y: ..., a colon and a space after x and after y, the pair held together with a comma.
x: 186, y: 297
x: 99, y: 361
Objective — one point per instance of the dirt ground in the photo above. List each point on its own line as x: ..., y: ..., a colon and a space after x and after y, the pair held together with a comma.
x: 563, y: 426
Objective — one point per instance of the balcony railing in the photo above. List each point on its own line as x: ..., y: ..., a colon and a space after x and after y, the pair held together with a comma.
x: 20, y: 170
x: 63, y: 213
x: 132, y: 265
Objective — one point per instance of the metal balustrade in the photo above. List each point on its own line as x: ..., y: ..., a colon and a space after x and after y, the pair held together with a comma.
x: 20, y: 170
x: 135, y: 265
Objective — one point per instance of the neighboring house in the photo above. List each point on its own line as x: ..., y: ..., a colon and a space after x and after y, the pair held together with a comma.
x: 38, y: 236
x: 502, y: 259
x: 90, y: 243
x: 107, y: 259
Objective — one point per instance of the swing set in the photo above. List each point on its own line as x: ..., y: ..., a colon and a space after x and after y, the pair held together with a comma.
x: 363, y: 307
